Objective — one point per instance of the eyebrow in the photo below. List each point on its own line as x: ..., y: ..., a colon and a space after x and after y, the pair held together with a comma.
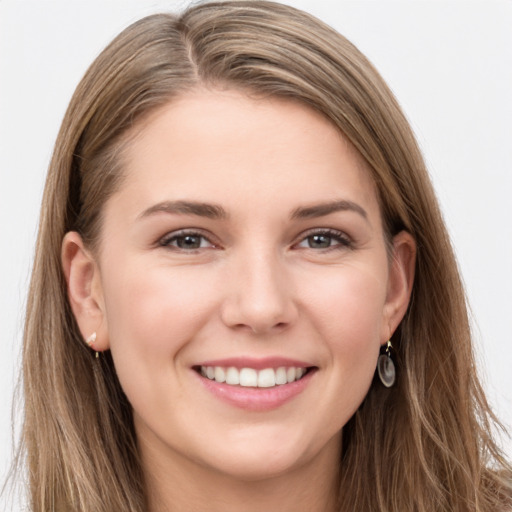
x: 322, y: 209
x: 211, y: 211
x: 214, y: 211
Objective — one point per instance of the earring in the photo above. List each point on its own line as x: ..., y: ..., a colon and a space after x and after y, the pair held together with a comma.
x: 386, y: 367
x: 90, y: 340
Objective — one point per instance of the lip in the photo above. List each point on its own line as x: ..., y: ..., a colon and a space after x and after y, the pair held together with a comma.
x: 256, y: 399
x: 256, y: 363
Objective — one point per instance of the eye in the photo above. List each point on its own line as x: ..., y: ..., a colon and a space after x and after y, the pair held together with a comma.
x: 325, y: 239
x: 185, y: 241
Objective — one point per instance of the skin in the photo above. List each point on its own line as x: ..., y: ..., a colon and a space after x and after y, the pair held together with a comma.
x: 258, y: 285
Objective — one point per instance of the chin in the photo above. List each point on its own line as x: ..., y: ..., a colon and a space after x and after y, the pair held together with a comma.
x: 256, y: 467
x: 269, y: 456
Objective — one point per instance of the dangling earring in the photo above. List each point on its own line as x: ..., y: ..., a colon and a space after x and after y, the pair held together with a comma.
x: 90, y: 340
x: 386, y: 367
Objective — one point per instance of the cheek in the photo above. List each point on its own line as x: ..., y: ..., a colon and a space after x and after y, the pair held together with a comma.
x: 347, y: 305
x: 155, y: 308
x: 347, y: 310
x: 152, y: 314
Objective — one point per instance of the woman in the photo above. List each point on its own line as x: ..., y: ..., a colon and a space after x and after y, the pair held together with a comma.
x: 237, y: 222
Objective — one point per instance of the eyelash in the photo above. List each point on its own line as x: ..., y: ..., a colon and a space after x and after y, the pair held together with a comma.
x: 167, y: 240
x: 342, y: 240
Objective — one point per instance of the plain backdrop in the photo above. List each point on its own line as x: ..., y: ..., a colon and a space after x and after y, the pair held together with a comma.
x: 448, y: 62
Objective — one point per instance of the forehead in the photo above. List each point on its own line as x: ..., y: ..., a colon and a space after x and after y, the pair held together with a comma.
x: 224, y: 146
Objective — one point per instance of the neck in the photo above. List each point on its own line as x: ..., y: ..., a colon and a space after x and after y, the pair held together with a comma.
x: 179, y: 484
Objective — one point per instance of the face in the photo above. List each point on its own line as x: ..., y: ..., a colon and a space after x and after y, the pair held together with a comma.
x: 244, y: 284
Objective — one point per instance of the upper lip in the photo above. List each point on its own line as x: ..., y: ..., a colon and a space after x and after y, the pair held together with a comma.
x: 256, y: 363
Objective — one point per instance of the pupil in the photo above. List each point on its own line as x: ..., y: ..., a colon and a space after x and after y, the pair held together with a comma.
x: 189, y: 242
x: 319, y: 241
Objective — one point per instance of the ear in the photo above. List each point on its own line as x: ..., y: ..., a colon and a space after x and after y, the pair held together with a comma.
x: 84, y: 290
x: 401, y: 279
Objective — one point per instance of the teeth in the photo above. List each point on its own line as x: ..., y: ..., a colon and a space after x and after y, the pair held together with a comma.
x: 232, y: 376
x: 249, y: 377
x: 220, y: 374
x: 281, y: 376
x: 267, y: 378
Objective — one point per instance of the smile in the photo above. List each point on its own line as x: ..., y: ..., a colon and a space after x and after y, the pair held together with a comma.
x: 251, y: 377
x: 255, y: 384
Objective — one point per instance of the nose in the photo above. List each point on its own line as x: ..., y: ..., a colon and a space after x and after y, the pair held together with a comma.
x: 259, y: 295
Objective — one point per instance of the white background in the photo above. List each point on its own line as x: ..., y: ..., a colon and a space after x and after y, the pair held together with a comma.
x: 449, y: 63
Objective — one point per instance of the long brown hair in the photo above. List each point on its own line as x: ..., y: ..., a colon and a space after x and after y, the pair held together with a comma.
x: 424, y: 445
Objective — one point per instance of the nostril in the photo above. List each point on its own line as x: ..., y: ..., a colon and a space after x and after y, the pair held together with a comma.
x: 266, y: 329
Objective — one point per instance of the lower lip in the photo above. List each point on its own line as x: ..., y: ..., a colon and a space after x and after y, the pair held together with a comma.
x: 257, y: 399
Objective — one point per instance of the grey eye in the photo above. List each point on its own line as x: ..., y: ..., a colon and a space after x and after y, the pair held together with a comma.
x: 185, y: 241
x: 319, y: 241
x: 189, y: 241
x: 326, y: 239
